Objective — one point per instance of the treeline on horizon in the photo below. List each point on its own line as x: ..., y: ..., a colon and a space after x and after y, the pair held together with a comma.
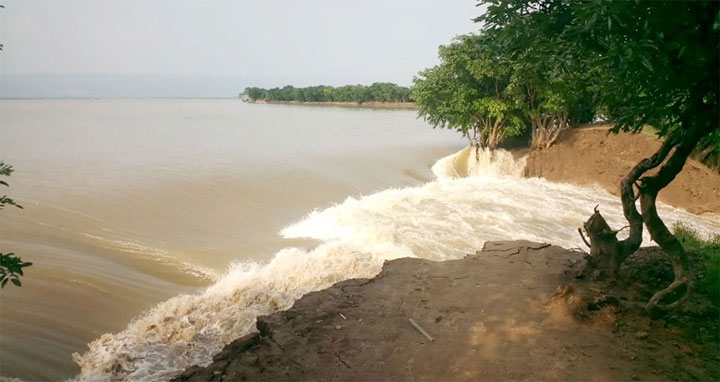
x: 377, y: 92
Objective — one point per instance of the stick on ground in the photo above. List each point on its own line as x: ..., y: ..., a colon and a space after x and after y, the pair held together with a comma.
x: 421, y: 330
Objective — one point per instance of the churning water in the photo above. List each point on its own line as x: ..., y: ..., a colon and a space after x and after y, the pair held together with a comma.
x: 205, y: 214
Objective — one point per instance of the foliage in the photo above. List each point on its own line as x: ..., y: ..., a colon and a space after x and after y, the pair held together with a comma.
x: 6, y: 170
x: 11, y: 267
x: 708, y: 150
x: 644, y: 63
x: 658, y: 61
x: 638, y: 62
x: 468, y: 92
x: 551, y: 90
x: 656, y: 64
x: 377, y: 92
x: 708, y: 253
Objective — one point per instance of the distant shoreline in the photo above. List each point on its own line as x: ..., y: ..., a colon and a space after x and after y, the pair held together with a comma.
x: 367, y: 105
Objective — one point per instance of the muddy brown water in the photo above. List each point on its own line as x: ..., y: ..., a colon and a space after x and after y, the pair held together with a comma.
x: 160, y: 229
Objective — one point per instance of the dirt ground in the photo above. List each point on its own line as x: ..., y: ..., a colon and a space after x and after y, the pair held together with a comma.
x: 513, y: 311
x: 591, y: 156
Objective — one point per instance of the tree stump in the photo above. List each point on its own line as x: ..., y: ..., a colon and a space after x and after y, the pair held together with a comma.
x: 607, y: 253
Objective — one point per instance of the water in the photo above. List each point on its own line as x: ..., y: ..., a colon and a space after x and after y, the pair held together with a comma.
x: 129, y: 202
x: 207, y: 213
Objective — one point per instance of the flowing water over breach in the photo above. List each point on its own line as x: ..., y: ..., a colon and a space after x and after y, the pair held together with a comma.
x: 470, y: 202
x: 138, y: 201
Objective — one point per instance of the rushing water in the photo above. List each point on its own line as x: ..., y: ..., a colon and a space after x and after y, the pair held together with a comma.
x: 207, y: 213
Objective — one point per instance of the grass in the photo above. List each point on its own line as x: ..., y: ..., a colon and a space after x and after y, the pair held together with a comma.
x: 707, y: 253
x: 649, y: 130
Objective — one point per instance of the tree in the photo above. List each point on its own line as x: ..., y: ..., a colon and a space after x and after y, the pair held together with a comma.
x: 389, y: 92
x: 650, y: 63
x: 254, y: 93
x: 379, y: 92
x: 468, y: 92
x: 11, y: 266
x: 529, y: 37
x: 659, y: 63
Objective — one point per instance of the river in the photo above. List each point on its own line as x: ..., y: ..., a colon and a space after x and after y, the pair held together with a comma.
x: 159, y: 229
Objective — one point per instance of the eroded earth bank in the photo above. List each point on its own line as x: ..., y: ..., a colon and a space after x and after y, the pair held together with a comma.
x: 513, y: 311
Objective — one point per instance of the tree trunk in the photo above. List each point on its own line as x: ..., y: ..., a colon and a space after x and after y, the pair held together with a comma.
x: 493, y: 139
x: 542, y: 129
x: 674, y: 249
x: 607, y: 253
x: 546, y: 130
x: 560, y: 123
x: 467, y: 135
x: 649, y: 188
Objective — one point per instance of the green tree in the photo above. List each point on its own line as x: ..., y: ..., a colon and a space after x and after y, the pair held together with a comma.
x: 254, y: 93
x: 388, y: 92
x: 647, y: 63
x: 468, y: 92
x: 379, y: 91
x: 528, y: 35
x: 11, y: 266
x: 659, y: 66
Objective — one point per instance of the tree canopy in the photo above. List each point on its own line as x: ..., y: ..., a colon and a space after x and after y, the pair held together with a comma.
x: 515, y: 71
x: 551, y: 91
x: 469, y: 92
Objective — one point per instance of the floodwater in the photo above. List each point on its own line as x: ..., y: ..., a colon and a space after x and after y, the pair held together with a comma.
x: 160, y: 229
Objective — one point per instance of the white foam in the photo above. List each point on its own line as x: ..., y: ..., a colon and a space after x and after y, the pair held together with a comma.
x: 476, y: 161
x: 443, y: 219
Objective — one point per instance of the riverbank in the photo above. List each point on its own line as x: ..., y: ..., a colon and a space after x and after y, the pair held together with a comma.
x: 543, y: 326
x: 367, y: 105
x: 589, y: 156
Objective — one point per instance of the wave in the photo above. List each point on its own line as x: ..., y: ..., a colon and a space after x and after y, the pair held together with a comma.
x: 473, y: 199
x: 476, y: 161
x: 158, y: 255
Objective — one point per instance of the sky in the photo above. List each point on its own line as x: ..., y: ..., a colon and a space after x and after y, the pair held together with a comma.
x: 216, y: 48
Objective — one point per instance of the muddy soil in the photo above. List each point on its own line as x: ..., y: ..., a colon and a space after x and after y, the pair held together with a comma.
x: 590, y: 156
x: 513, y: 311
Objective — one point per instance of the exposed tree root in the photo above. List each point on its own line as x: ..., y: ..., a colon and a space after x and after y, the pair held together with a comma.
x: 607, y: 253
x: 649, y: 188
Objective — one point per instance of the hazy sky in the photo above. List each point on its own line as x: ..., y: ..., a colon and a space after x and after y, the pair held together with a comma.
x: 218, y: 47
